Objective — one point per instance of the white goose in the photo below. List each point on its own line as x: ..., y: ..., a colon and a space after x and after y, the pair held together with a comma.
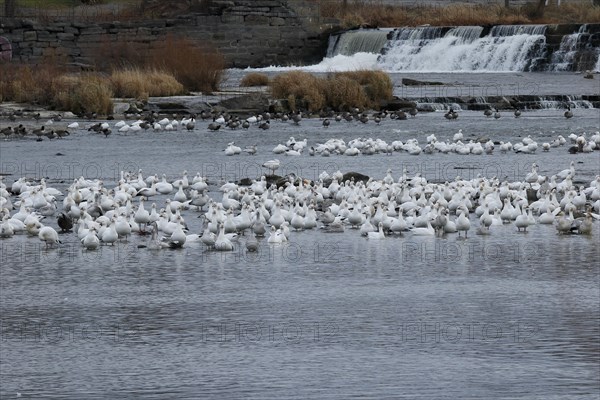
x: 48, y: 235
x: 462, y: 222
x: 377, y: 235
x: 222, y: 242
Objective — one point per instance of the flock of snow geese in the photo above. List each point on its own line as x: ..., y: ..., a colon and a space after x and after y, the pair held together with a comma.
x: 236, y: 215
x: 582, y: 143
x: 369, y: 146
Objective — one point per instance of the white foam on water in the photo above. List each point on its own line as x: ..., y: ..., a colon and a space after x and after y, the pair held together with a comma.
x: 453, y: 53
x: 338, y: 63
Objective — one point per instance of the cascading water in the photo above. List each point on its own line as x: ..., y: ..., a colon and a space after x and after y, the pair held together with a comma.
x: 502, y: 48
x: 563, y: 58
x: 426, y: 49
x: 357, y: 41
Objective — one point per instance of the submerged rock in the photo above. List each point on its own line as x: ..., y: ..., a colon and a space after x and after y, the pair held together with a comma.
x: 414, y: 82
x: 348, y: 176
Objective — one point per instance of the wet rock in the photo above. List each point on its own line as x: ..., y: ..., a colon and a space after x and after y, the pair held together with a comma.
x: 171, y: 106
x: 399, y: 104
x: 275, y: 179
x: 253, y: 102
x: 245, y: 182
x: 348, y: 176
x: 414, y: 82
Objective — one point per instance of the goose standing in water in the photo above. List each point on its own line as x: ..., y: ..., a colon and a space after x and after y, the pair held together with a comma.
x: 251, y: 149
x: 517, y: 112
x: 377, y: 235
x: 164, y: 187
x: 110, y: 235
x: 451, y: 114
x: 222, y: 242
x: 177, y: 238
x: 585, y: 227
x: 522, y: 220
x: 91, y: 241
x: 428, y: 230
x: 563, y: 223
x: 462, y: 222
x: 568, y: 114
x: 252, y: 243
x: 48, y: 235
x: 142, y: 216
x: 273, y: 165
x: 65, y: 222
x: 208, y: 238
x: 275, y: 236
x: 232, y: 149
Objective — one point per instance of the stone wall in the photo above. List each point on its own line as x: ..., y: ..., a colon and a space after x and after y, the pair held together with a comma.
x: 248, y: 33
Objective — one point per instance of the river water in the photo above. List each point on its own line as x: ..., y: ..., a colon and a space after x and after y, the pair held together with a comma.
x: 509, y: 315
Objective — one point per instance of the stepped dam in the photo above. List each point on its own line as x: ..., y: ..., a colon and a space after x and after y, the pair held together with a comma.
x: 501, y: 48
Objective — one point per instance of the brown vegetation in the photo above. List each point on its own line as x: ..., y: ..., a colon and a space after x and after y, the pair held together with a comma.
x: 83, y: 93
x: 176, y: 66
x: 338, y: 91
x: 50, y: 86
x: 140, y: 84
x: 254, y: 79
x: 28, y: 84
x: 362, y: 13
x: 198, y: 66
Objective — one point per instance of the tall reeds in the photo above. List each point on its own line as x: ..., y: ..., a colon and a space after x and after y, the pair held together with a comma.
x: 338, y: 91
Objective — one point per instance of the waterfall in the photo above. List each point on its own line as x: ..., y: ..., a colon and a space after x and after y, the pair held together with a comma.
x: 505, y: 48
x: 563, y: 59
x: 512, y: 30
x: 357, y: 41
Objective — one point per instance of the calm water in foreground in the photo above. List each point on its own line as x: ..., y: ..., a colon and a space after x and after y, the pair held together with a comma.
x: 509, y: 315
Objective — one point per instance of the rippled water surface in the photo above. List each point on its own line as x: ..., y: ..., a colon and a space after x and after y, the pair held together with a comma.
x: 509, y: 315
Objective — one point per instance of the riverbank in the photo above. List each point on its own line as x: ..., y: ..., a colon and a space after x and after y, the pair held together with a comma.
x: 475, y: 92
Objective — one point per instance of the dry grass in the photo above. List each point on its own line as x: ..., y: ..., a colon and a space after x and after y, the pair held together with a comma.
x: 140, y: 84
x: 199, y: 67
x: 300, y: 89
x: 28, y: 83
x: 571, y: 13
x: 50, y: 86
x: 344, y: 93
x: 83, y: 93
x: 338, y: 91
x: 377, y: 85
x: 254, y: 79
x: 361, y: 13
